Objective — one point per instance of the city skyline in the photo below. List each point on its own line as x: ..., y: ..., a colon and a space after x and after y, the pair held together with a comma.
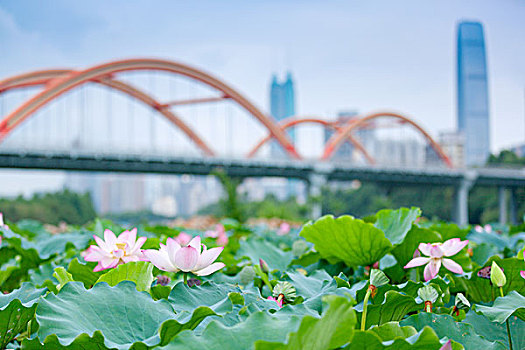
x: 387, y: 71
x: 336, y: 67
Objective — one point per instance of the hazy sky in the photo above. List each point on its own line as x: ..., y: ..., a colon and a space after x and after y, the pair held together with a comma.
x: 364, y: 55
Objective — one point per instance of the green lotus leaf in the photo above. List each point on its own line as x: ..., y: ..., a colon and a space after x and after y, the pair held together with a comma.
x: 426, y: 339
x: 312, y: 288
x: 139, y: 272
x: 503, y: 307
x: 478, y: 289
x: 346, y: 239
x: 62, y: 277
x: 242, y: 336
x: 446, y: 326
x: 83, y: 272
x: 393, y: 308
x: 123, y: 315
x: 256, y: 249
x: 16, y: 310
x: 210, y: 294
x: 396, y: 223
x: 494, y: 331
x: 334, y: 329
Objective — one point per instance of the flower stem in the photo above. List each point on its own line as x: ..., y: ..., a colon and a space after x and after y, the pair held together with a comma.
x: 506, y: 321
x: 365, y: 307
x: 185, y: 278
x: 508, y: 333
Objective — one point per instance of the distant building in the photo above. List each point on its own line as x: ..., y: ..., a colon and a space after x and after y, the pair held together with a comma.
x: 453, y: 144
x: 519, y: 150
x: 472, y: 93
x: 282, y: 106
x: 346, y: 151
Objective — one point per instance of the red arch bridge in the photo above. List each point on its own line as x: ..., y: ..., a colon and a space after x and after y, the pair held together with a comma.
x: 160, y: 116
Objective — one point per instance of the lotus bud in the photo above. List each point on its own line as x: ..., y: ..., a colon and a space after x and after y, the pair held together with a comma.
x: 299, y: 247
x: 264, y: 266
x: 429, y: 295
x: 286, y: 289
x: 163, y: 280
x: 497, y: 277
x: 246, y: 275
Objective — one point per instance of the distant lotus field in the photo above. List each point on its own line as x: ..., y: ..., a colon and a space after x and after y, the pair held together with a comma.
x: 393, y: 280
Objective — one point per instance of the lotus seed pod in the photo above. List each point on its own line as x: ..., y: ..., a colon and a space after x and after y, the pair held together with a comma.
x: 246, y: 275
x: 497, y: 277
x: 428, y: 293
x: 286, y: 289
x: 461, y: 302
x: 299, y: 247
x: 378, y: 278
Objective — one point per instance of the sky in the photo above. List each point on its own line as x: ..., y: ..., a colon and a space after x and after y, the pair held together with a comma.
x: 359, y: 55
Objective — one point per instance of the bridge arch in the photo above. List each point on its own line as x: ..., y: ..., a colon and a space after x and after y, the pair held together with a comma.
x: 60, y: 85
x: 45, y: 77
x: 294, y: 121
x: 333, y: 144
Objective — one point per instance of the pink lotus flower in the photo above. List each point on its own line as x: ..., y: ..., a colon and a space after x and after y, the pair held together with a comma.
x: 279, y: 301
x: 487, y: 228
x: 219, y: 233
x: 2, y: 225
x: 435, y: 253
x: 284, y: 229
x: 112, y: 251
x: 183, y: 238
x: 522, y: 273
x: 194, y: 257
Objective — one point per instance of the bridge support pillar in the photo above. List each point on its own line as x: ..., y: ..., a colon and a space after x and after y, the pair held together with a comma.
x: 315, y: 183
x: 513, y: 208
x: 502, y: 204
x: 461, y: 205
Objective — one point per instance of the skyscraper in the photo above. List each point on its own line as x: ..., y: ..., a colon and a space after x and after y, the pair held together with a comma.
x: 472, y: 93
x: 282, y: 105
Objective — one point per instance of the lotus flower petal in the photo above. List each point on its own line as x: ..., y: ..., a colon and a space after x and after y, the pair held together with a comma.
x: 453, y: 246
x: 210, y: 269
x: 432, y: 269
x: 183, y: 238
x: 207, y: 257
x: 110, y: 238
x: 453, y: 266
x: 424, y: 248
x: 136, y: 248
x: 128, y: 237
x: 172, y: 247
x: 435, y: 251
x: 160, y: 259
x: 94, y: 253
x: 522, y: 273
x: 100, y: 242
x: 186, y: 258
x: 417, y: 262
x: 196, y: 243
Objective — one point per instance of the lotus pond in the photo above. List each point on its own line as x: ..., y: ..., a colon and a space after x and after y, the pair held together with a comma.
x: 389, y: 281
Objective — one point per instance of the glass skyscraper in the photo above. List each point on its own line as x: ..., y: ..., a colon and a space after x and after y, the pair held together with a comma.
x: 282, y: 105
x: 472, y: 93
